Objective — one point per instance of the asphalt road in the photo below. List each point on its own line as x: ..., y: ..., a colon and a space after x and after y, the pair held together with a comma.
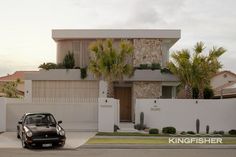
x: 9, y: 152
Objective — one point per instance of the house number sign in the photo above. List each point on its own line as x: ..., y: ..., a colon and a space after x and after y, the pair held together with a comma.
x: 155, y: 108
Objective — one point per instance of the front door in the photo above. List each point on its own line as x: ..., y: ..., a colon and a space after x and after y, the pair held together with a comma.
x: 124, y: 95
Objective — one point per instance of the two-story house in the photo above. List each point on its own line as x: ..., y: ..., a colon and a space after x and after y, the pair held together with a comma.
x: 150, y: 46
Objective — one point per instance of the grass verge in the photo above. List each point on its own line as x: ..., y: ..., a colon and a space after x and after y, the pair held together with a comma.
x: 163, y: 140
x: 157, y: 135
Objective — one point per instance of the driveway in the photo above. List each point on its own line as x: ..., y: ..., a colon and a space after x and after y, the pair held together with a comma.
x: 73, y: 141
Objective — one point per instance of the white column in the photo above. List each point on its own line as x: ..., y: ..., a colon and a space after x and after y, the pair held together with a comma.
x: 106, y: 115
x: 173, y: 92
x: 102, y: 89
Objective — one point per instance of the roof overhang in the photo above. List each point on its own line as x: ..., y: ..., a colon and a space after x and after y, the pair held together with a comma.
x: 71, y: 34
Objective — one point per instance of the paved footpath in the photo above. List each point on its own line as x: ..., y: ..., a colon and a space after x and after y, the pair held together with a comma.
x: 10, y: 152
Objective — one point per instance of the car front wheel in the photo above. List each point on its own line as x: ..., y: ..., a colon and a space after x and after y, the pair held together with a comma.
x: 17, y: 134
x: 24, y: 145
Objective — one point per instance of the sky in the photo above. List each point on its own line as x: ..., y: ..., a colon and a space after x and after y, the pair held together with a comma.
x: 25, y: 25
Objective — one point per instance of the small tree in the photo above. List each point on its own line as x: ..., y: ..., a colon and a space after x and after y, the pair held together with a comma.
x: 110, y: 64
x: 10, y: 89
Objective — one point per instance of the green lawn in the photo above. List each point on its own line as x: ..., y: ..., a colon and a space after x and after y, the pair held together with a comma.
x: 162, y: 135
x: 162, y: 140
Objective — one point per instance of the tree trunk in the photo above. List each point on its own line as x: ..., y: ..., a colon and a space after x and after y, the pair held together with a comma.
x: 201, y: 93
x: 188, y: 92
x: 110, y: 89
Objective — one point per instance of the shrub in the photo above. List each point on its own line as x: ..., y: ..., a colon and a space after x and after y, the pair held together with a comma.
x: 144, y: 66
x: 195, y: 93
x: 207, y: 129
x: 69, y: 61
x: 221, y: 132
x: 116, y: 128
x: 153, y: 131
x: 165, y: 70
x: 191, y: 132
x: 197, y: 126
x: 60, y: 66
x: 208, y: 93
x: 168, y: 130
x: 48, y: 66
x: 155, y: 66
x: 183, y: 133
x: 140, y: 127
x: 232, y: 132
x: 83, y: 73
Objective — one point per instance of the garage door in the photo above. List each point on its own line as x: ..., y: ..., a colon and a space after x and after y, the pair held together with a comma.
x: 73, y: 102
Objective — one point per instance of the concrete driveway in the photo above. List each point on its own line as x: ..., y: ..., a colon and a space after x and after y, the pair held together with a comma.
x: 73, y: 141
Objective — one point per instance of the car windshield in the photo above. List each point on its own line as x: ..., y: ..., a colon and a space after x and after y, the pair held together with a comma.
x: 40, y: 119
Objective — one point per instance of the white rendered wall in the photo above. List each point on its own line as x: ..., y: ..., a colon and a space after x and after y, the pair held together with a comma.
x: 2, y: 115
x: 182, y: 114
x: 107, y: 114
x: 80, y: 116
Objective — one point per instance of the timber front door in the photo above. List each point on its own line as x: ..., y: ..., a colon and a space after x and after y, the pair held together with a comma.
x: 124, y: 95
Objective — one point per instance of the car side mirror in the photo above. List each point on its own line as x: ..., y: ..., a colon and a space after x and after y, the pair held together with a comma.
x: 20, y: 122
x: 59, y: 122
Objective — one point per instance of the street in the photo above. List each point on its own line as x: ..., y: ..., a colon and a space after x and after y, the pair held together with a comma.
x: 10, y: 152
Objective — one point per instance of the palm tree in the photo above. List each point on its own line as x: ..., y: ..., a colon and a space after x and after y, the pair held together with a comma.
x: 196, y: 71
x: 205, y: 66
x: 182, y: 67
x: 110, y: 64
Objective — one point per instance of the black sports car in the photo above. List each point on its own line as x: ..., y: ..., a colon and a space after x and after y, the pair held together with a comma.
x: 36, y: 129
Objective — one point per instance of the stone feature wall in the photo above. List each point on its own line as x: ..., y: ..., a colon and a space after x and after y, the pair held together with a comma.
x: 146, y: 89
x: 147, y: 51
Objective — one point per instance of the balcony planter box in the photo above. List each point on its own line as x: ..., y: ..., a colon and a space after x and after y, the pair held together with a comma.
x: 151, y: 75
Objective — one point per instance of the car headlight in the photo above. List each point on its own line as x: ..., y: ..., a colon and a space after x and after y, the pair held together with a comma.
x: 28, y: 132
x: 60, y: 131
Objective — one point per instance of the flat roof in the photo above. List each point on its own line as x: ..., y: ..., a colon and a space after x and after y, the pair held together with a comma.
x: 65, y: 34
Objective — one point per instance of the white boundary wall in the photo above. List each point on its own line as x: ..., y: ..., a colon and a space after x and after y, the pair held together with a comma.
x: 182, y: 113
x: 80, y: 116
x: 2, y: 115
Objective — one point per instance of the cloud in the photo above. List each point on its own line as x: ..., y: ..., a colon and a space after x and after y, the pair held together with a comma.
x: 25, y: 28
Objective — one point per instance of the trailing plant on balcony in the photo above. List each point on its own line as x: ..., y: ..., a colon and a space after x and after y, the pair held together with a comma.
x: 83, y: 73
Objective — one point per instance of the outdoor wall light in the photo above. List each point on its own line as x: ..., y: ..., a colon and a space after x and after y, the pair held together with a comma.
x: 106, y: 100
x: 155, y: 101
x: 196, y: 102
